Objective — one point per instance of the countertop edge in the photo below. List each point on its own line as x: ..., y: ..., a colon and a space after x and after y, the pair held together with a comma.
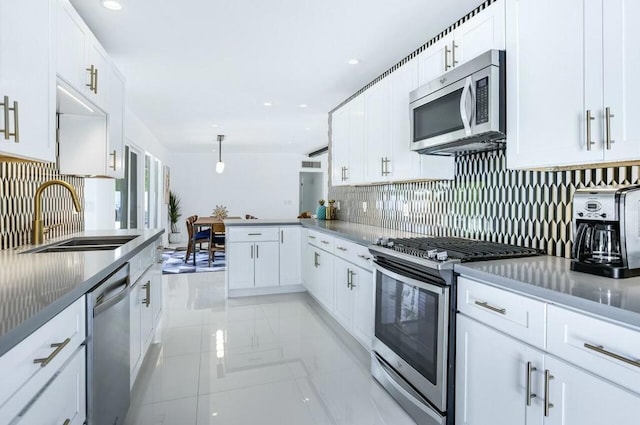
x: 560, y: 299
x: 313, y: 225
x: 33, y: 323
x: 261, y: 222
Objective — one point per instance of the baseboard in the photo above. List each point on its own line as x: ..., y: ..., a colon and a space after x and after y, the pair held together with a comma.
x: 249, y: 292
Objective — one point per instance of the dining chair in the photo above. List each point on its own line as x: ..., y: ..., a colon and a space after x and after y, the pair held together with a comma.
x: 201, y: 237
x: 217, y: 243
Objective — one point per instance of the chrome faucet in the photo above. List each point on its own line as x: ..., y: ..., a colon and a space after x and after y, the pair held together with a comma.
x: 38, y: 227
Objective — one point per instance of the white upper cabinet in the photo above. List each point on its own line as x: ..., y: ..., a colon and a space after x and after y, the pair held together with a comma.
x: 377, y: 131
x: 27, y: 84
x: 621, y: 83
x: 115, y: 129
x: 347, y: 143
x: 579, y: 111
x: 81, y: 61
x: 482, y: 32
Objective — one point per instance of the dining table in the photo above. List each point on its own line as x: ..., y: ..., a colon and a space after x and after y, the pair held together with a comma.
x: 203, y: 222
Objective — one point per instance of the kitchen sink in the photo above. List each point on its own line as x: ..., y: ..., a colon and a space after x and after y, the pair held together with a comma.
x: 85, y: 243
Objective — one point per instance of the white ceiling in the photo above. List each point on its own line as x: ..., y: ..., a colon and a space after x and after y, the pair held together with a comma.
x: 193, y: 63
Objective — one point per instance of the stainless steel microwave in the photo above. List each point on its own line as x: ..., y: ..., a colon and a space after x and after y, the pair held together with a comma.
x: 462, y: 111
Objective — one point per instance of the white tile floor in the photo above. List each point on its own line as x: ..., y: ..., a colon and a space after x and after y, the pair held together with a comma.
x: 259, y: 360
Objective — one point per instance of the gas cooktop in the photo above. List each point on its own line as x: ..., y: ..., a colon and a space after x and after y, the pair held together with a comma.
x: 453, y: 250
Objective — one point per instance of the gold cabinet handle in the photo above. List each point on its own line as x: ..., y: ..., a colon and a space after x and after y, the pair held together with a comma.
x: 600, y: 349
x: 58, y: 348
x: 589, y: 119
x: 547, y: 405
x: 5, y: 106
x: 382, y: 166
x: 486, y: 305
x: 115, y: 161
x: 530, y: 395
x: 66, y: 422
x: 446, y: 58
x: 607, y: 121
x: 454, y: 62
x: 95, y: 83
x: 147, y: 288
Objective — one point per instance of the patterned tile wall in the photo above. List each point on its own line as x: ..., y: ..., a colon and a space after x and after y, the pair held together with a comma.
x: 18, y: 184
x: 486, y: 201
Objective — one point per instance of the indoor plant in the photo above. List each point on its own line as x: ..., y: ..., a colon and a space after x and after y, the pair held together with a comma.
x: 174, y: 215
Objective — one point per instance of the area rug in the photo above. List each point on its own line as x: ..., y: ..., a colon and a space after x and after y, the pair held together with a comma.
x: 173, y: 262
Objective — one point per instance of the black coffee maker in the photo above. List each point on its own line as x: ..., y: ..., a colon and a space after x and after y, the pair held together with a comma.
x: 607, y: 238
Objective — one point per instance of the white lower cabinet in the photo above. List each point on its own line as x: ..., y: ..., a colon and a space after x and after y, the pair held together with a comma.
x: 263, y: 257
x: 63, y: 400
x: 32, y: 366
x: 491, y: 377
x: 581, y: 398
x: 342, y: 284
x: 253, y: 264
x: 354, y: 301
x: 502, y: 380
x: 145, y: 307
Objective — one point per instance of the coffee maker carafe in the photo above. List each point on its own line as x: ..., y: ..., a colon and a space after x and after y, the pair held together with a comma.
x: 606, y: 224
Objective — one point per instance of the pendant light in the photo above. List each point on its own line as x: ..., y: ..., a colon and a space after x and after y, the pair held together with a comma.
x: 220, y: 164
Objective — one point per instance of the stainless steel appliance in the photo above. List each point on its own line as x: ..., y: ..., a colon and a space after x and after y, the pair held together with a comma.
x: 414, y: 344
x: 462, y: 111
x: 607, y: 231
x: 108, y: 350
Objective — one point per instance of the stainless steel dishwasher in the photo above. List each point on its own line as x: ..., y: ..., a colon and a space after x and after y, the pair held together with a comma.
x: 108, y: 350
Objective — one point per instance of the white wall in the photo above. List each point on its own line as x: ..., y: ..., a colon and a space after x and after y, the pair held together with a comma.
x: 99, y: 203
x: 264, y: 185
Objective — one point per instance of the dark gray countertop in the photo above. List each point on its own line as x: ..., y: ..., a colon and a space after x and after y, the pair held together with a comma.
x: 358, y: 233
x: 36, y: 287
x: 551, y: 279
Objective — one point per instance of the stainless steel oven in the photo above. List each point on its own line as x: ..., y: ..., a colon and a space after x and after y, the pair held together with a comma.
x: 414, y: 345
x: 413, y: 324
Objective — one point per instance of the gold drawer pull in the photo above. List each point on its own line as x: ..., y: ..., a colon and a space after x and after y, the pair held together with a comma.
x: 490, y: 307
x: 600, y: 349
x: 58, y: 347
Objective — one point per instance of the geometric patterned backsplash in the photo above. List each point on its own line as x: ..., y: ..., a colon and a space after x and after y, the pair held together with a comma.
x: 485, y: 201
x: 18, y: 184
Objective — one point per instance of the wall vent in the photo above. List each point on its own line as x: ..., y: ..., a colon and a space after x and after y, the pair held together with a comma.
x: 311, y: 164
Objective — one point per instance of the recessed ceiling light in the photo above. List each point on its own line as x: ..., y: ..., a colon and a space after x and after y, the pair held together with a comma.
x: 353, y: 61
x: 302, y: 105
x: 267, y: 104
x: 112, y: 4
x: 308, y: 128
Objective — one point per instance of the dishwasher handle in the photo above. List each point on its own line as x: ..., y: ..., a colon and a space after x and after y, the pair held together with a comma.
x: 111, y: 291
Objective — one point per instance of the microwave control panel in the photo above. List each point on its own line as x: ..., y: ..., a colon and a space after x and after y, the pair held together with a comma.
x: 482, y: 101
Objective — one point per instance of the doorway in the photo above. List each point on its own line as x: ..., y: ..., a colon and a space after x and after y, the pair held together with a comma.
x: 310, y: 191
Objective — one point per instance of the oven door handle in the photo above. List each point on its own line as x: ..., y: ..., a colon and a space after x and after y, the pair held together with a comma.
x: 409, y: 281
x: 467, y: 117
x: 409, y: 393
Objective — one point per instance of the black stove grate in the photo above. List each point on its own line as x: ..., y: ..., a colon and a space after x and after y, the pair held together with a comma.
x: 463, y: 249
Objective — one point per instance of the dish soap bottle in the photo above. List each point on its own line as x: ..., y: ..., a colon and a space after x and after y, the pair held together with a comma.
x: 321, y: 211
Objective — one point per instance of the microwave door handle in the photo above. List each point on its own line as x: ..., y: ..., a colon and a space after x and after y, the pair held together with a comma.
x: 468, y: 84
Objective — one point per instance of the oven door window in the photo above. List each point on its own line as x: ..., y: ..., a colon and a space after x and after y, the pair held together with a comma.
x: 439, y: 116
x: 407, y: 323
